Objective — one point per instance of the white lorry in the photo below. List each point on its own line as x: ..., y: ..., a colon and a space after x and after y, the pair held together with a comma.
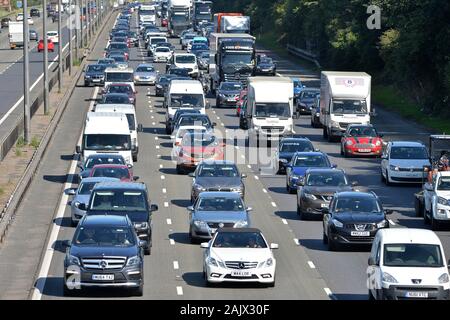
x: 235, y: 24
x: 106, y: 132
x: 184, y: 94
x: 269, y: 111
x: 15, y: 34
x: 130, y: 112
x: 119, y: 75
x: 344, y: 100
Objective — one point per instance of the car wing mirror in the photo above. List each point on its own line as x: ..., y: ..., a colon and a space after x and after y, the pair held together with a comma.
x: 204, y: 245
x: 135, y: 178
x: 82, y: 206
x: 70, y: 191
x: 371, y: 261
x: 274, y: 246
x: 354, y: 183
x: 388, y: 211
x: 190, y: 208
x: 334, y: 166
x: 325, y: 210
x: 66, y: 243
x: 248, y: 209
x: 191, y: 174
x: 154, y: 208
x: 78, y: 149
x: 243, y: 176
x: 140, y: 127
x: 80, y: 166
x: 142, y: 243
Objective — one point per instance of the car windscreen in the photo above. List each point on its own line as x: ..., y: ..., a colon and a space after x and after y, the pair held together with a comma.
x: 96, y: 68
x: 118, y: 58
x: 316, y: 161
x: 199, y: 140
x: 218, y: 170
x: 179, y: 72
x: 86, y: 187
x: 178, y: 100
x: 194, y: 121
x: 230, y: 86
x: 220, y: 204
x: 157, y: 40
x: 357, y: 205
x: 412, y: 255
x: 96, y: 235
x: 296, y: 146
x: 107, y: 142
x: 111, y: 172
x: 362, y: 132
x: 116, y: 99
x: 145, y: 69
x: 412, y: 153
x: 237, y: 58
x: 131, y: 121
x: 119, y: 77
x: 118, y: 45
x: 185, y: 59
x: 444, y: 183
x: 118, y: 200
x: 162, y: 49
x: 239, y: 240
x: 349, y: 107
x: 328, y: 179
x: 308, y: 94
x: 182, y: 132
x: 272, y: 110
x: 93, y: 160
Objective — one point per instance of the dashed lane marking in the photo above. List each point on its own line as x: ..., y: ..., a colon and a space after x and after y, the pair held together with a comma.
x: 311, y: 265
x: 284, y: 220
x: 172, y: 242
x: 169, y: 221
x: 176, y: 266
x: 273, y: 204
x: 164, y: 190
x: 166, y: 204
x: 180, y: 291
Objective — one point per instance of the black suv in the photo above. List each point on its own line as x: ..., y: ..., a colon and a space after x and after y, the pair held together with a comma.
x: 353, y: 218
x: 125, y: 199
x: 104, y: 252
x: 35, y: 13
x: 317, y: 189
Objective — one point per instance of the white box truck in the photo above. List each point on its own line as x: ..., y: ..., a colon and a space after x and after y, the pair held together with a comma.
x: 344, y: 100
x: 106, y: 132
x: 270, y: 107
x: 235, y: 24
x: 15, y: 34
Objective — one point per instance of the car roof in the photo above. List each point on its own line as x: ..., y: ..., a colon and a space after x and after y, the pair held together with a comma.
x: 99, y: 179
x: 111, y: 220
x: 324, y: 170
x: 104, y: 155
x: 215, y: 194
x: 238, y: 230
x: 409, y: 235
x: 118, y: 84
x: 354, y: 194
x: 110, y: 165
x: 294, y: 139
x: 407, y: 144
x: 225, y: 162
x: 121, y: 186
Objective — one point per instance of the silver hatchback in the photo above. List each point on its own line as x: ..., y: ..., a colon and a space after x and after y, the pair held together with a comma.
x: 145, y: 73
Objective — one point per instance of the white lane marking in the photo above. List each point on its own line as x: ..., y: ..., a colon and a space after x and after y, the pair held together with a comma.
x: 214, y: 111
x: 169, y: 221
x: 284, y: 220
x: 256, y: 177
x: 151, y: 111
x: 222, y: 124
x: 328, y: 292
x: 311, y: 265
x: 296, y: 241
x: 391, y: 222
x: 166, y: 204
x: 156, y: 138
x: 172, y: 242
x: 157, y: 147
x: 264, y: 190
x: 180, y: 291
x: 161, y: 166
x: 158, y: 156
x: 164, y: 190
x: 154, y: 118
x: 236, y: 147
x: 176, y: 266
x: 163, y: 177
x: 242, y: 156
x: 249, y: 166
x: 273, y: 204
x: 153, y: 123
x: 218, y: 118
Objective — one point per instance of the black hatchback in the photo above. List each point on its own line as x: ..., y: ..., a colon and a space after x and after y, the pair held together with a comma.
x: 353, y: 218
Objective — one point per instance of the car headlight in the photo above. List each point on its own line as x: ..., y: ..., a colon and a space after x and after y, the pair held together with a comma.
x: 334, y: 124
x: 86, y: 76
x: 394, y: 168
x: 442, y: 201
x: 269, y: 262
x: 237, y: 189
x: 72, y: 260
x: 295, y: 178
x: 443, y: 278
x: 317, y: 114
x: 378, y: 143
x: 133, y: 261
x: 212, y: 262
x: 199, y: 187
x: 143, y: 225
x: 349, y: 142
x: 381, y: 224
x: 388, y: 278
x: 241, y: 224
x: 310, y: 196
x: 136, y: 77
x: 200, y: 224
x: 337, y: 223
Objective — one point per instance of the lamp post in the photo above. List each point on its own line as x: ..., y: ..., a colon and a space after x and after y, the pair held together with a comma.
x: 60, y: 38
x: 44, y: 36
x: 26, y: 74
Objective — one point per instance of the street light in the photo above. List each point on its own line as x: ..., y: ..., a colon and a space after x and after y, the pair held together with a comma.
x: 26, y: 74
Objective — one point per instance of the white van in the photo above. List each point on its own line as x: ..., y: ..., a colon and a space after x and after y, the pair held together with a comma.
x: 184, y: 94
x: 130, y: 113
x: 407, y: 264
x: 106, y: 132
x: 119, y: 74
x: 186, y: 61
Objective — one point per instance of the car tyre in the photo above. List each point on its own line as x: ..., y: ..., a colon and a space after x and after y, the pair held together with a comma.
x: 289, y: 189
x: 324, y: 238
x: 303, y: 215
x: 217, y: 103
x: 426, y: 218
x: 179, y: 170
x: 418, y: 207
x: 135, y: 158
x: 325, y: 133
x: 386, y: 180
x: 435, y: 225
x: 73, y: 223
x: 271, y: 284
x: 139, y: 291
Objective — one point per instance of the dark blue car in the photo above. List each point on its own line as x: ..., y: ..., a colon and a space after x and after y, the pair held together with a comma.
x: 300, y: 162
x: 287, y: 148
x: 94, y: 74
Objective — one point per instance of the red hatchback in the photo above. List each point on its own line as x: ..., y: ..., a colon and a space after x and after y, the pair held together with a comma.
x: 50, y: 45
x: 119, y: 171
x: 242, y: 97
x: 361, y: 140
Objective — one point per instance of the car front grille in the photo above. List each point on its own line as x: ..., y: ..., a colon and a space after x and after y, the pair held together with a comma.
x: 220, y: 189
x: 324, y: 197
x: 103, y: 263
x: 360, y: 226
x: 411, y: 169
x: 253, y: 277
x: 236, y: 264
x: 215, y: 225
x: 364, y: 145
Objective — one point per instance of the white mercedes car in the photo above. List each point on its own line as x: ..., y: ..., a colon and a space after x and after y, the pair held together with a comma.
x: 239, y: 255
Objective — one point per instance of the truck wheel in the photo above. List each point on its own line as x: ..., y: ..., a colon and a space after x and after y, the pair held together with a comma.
x: 325, y: 133
x: 324, y: 238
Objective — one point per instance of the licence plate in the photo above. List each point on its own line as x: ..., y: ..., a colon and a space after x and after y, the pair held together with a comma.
x: 360, y: 233
x: 416, y: 294
x: 324, y: 205
x: 241, y: 273
x: 364, y: 150
x: 231, y: 100
x: 95, y: 80
x: 103, y: 277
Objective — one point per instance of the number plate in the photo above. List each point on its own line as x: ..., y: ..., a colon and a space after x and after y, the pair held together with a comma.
x: 324, y: 205
x: 360, y: 233
x: 241, y: 273
x: 416, y: 294
x: 364, y: 150
x: 95, y: 80
x: 103, y: 277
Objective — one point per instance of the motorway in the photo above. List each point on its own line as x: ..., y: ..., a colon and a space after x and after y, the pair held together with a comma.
x: 305, y: 269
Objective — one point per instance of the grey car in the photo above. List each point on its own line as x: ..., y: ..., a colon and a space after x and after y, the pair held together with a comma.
x: 82, y: 195
x: 214, y: 210
x: 145, y: 73
x: 34, y: 35
x: 307, y: 99
x: 218, y: 175
x: 99, y: 158
x: 228, y: 94
x: 317, y: 189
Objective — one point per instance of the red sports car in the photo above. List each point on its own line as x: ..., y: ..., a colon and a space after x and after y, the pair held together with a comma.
x: 119, y: 171
x: 361, y: 140
x: 50, y: 45
x: 196, y: 147
x: 242, y: 97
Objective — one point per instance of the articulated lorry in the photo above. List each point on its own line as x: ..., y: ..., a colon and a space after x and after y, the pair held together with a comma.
x: 269, y: 111
x: 179, y: 15
x: 344, y: 100
x: 202, y: 13
x: 232, y: 58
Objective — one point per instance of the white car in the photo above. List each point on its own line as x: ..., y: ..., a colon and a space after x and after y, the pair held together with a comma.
x: 239, y: 255
x: 407, y: 263
x: 403, y: 162
x: 183, y: 130
x: 53, y: 35
x: 186, y: 61
x: 19, y: 17
x: 161, y: 54
x: 436, y: 196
